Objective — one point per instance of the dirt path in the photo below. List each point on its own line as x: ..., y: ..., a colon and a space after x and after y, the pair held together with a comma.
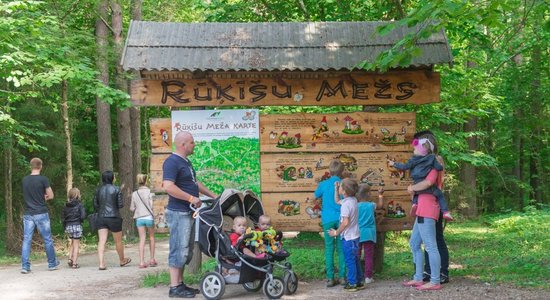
x: 123, y: 283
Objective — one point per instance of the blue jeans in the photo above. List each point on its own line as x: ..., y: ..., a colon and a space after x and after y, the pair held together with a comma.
x: 181, y: 238
x: 330, y: 245
x: 42, y: 222
x: 424, y: 232
x: 351, y: 254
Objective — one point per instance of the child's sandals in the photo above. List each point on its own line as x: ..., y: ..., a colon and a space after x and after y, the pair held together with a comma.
x: 75, y: 266
x: 153, y: 263
x: 70, y: 262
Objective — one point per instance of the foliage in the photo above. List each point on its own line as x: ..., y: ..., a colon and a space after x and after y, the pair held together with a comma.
x: 502, y: 249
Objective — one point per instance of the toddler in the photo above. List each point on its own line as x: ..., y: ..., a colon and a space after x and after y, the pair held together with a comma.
x: 239, y: 228
x: 72, y: 216
x: 420, y: 164
x: 348, y: 230
x: 367, y: 226
x: 272, y: 239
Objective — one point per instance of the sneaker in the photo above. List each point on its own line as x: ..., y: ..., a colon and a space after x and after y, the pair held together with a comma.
x: 54, y: 267
x: 194, y: 290
x: 350, y: 288
x: 369, y: 280
x: 426, y: 277
x: 331, y: 283
x: 444, y: 278
x: 447, y: 216
x: 180, y: 292
x: 361, y: 286
x: 343, y: 282
x: 25, y: 271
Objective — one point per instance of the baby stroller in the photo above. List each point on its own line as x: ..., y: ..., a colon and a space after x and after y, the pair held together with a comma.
x: 253, y: 273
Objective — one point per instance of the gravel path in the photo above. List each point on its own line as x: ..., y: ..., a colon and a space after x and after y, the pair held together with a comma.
x: 123, y: 283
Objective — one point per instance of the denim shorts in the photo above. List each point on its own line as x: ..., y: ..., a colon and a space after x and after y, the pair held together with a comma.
x: 144, y: 223
x: 181, y: 225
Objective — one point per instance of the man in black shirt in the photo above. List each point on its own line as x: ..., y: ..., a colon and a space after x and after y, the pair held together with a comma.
x: 36, y: 191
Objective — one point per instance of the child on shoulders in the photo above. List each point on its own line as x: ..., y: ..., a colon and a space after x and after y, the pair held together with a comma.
x: 420, y: 164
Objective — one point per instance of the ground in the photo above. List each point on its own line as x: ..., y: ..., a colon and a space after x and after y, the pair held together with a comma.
x: 124, y: 283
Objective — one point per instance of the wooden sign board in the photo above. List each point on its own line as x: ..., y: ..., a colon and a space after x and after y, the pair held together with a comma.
x: 302, y: 212
x: 161, y: 135
x: 159, y: 205
x: 358, y: 131
x: 250, y: 89
x: 157, y: 160
x: 295, y: 172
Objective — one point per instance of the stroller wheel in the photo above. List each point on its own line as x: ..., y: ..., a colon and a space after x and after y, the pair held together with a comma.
x: 274, y: 288
x: 291, y: 282
x: 212, y: 286
x: 253, y: 286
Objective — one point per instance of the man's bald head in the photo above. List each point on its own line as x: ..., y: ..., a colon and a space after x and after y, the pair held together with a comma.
x: 184, y: 143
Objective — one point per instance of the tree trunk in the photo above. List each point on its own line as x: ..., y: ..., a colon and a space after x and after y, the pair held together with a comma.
x: 67, y: 129
x: 469, y: 172
x: 535, y: 166
x: 135, y: 114
x: 125, y: 154
x: 518, y: 139
x: 12, y: 243
x: 103, y: 109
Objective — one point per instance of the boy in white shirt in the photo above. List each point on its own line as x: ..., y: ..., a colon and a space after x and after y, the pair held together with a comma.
x: 349, y: 232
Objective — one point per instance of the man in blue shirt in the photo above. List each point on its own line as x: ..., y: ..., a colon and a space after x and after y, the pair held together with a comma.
x: 180, y: 182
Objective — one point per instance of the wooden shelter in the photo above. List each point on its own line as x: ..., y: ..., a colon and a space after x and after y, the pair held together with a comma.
x: 268, y: 64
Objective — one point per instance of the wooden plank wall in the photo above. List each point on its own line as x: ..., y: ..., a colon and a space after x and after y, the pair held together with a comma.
x: 289, y: 174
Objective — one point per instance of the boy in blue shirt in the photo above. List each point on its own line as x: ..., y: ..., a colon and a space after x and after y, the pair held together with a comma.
x: 330, y: 218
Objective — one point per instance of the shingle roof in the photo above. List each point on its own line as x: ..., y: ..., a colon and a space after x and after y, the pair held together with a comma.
x: 157, y: 46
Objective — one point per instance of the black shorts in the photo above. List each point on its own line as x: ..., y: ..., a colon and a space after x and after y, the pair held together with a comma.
x: 113, y: 224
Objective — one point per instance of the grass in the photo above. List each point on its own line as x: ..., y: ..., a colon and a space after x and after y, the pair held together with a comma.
x: 507, y: 249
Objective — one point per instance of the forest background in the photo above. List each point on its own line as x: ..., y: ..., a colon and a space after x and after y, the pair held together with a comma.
x: 63, y: 95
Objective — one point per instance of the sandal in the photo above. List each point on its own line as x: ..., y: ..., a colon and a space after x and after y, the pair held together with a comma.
x: 413, y: 283
x: 102, y: 269
x: 428, y: 287
x: 127, y: 260
x: 70, y: 262
x: 153, y: 263
x: 75, y: 266
x: 142, y: 266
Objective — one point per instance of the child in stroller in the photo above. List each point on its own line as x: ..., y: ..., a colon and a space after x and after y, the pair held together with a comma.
x: 252, y: 272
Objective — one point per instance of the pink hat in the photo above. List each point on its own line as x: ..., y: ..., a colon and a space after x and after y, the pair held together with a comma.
x: 418, y: 144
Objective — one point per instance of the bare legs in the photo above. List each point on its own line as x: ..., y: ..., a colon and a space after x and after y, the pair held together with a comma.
x: 102, y: 234
x: 141, y: 233
x: 75, y: 246
x: 142, y: 239
x: 117, y: 237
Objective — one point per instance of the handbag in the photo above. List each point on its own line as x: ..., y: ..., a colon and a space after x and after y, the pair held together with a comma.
x: 152, y: 214
x: 92, y: 219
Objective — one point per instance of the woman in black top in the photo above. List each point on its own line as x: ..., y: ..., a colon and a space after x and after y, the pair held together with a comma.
x: 107, y: 203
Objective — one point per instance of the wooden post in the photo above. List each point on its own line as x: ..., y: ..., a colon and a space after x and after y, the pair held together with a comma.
x: 194, y: 266
x: 379, y: 251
